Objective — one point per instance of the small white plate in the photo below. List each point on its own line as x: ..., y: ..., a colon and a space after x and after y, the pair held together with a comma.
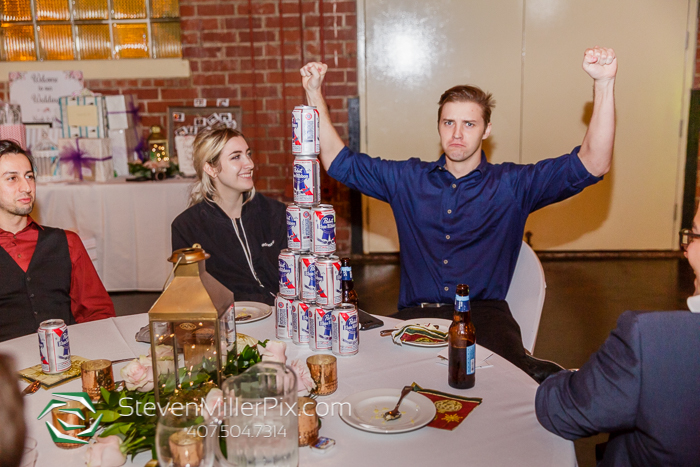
x: 249, y: 312
x: 442, y: 325
x: 368, y: 408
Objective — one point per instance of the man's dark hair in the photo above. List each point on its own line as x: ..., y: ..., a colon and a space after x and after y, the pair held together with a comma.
x: 8, y: 146
x: 473, y: 94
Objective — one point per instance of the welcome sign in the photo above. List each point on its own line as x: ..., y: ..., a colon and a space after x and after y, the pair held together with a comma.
x: 37, y: 93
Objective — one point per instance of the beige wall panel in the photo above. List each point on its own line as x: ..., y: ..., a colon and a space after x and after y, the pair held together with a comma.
x: 415, y: 50
x: 633, y: 208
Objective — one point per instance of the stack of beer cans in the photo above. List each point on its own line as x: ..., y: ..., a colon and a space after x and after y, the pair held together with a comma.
x: 308, y: 307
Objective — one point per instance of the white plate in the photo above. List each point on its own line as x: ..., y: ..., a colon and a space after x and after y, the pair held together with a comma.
x: 442, y: 325
x: 369, y: 406
x: 249, y: 312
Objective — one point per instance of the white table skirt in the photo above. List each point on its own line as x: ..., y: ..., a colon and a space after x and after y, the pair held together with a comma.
x: 503, y: 430
x: 130, y: 222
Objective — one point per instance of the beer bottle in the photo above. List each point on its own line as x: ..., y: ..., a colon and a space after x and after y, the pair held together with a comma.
x: 349, y: 294
x: 462, y: 343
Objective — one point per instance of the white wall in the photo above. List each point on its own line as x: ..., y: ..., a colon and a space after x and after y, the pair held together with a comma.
x: 528, y: 54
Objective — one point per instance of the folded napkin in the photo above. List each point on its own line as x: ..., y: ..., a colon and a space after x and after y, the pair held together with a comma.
x: 451, y: 409
x: 416, y: 332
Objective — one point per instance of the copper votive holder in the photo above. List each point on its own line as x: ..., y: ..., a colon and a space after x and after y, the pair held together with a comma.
x: 97, y: 374
x: 308, y: 421
x: 324, y: 371
x: 70, y: 419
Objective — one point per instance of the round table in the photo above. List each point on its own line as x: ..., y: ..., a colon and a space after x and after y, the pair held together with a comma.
x: 503, y: 430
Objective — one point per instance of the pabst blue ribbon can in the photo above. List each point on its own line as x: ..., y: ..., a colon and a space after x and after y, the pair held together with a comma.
x: 305, y: 131
x: 346, y: 330
x: 307, y: 281
x: 307, y: 181
x: 328, y: 281
x: 298, y: 228
x: 300, y: 322
x: 283, y: 315
x: 289, y: 274
x: 320, y: 328
x: 54, y: 346
x: 323, y: 231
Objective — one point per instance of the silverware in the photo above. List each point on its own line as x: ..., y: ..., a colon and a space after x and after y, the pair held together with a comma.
x: 386, y: 332
x: 32, y: 388
x: 395, y: 414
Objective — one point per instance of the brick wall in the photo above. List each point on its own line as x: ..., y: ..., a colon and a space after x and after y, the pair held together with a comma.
x: 260, y: 73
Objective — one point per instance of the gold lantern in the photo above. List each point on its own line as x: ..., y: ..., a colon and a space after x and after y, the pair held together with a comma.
x: 192, y: 326
x: 158, y: 145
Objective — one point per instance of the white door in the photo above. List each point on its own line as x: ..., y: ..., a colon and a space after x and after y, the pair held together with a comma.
x: 528, y: 54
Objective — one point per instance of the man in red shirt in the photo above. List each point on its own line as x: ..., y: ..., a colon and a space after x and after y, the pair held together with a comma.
x: 45, y: 273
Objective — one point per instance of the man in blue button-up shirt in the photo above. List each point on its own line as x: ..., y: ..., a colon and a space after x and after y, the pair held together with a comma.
x: 460, y: 220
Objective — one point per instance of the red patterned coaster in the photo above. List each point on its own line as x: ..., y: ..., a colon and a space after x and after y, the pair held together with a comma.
x: 451, y: 409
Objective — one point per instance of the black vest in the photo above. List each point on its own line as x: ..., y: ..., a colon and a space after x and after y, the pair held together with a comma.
x: 41, y: 293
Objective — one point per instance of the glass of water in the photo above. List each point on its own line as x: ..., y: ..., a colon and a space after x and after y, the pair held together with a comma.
x: 260, y: 424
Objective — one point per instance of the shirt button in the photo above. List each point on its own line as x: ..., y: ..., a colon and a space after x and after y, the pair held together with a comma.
x: 446, y: 289
x: 454, y: 185
x: 449, y: 211
x: 19, y: 255
x: 31, y: 296
x: 444, y: 261
x: 29, y: 279
x: 447, y: 237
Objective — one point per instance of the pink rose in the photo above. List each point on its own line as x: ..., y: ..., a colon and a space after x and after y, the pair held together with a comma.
x: 105, y: 452
x: 213, y: 404
x: 274, y: 351
x: 164, y: 358
x: 304, y: 380
x: 138, y: 374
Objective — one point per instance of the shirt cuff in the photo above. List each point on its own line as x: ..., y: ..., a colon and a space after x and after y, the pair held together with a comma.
x: 583, y: 177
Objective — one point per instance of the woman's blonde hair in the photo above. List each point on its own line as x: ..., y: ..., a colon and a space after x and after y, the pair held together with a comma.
x: 207, y: 149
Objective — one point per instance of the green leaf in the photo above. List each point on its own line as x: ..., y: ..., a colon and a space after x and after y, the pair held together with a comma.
x: 108, y: 415
x: 117, y: 428
x: 106, y: 395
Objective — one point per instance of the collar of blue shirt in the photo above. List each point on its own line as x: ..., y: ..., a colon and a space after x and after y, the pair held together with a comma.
x: 480, y: 169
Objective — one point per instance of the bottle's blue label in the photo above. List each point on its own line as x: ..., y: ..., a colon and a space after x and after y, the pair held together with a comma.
x: 462, y: 303
x: 471, y: 359
x: 346, y: 271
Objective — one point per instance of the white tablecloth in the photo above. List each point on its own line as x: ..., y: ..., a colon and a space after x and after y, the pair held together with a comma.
x: 502, y: 431
x: 130, y: 222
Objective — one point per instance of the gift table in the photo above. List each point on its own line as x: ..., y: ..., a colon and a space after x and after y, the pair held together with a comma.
x: 129, y: 221
x: 503, y: 430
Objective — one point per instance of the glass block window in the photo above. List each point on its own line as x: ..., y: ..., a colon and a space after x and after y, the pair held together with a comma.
x: 33, y: 30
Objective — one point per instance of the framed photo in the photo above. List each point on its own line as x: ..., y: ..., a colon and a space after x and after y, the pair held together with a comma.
x: 185, y: 121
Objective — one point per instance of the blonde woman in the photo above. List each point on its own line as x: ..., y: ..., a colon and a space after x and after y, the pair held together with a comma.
x: 242, y: 230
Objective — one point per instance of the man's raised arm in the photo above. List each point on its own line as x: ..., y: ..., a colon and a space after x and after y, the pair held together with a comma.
x: 312, y: 75
x: 597, y: 147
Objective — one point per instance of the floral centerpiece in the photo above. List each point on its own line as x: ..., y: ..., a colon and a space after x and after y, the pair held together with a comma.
x: 130, y: 414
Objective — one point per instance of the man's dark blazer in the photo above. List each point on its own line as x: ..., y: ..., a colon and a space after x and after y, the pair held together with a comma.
x: 642, y: 386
